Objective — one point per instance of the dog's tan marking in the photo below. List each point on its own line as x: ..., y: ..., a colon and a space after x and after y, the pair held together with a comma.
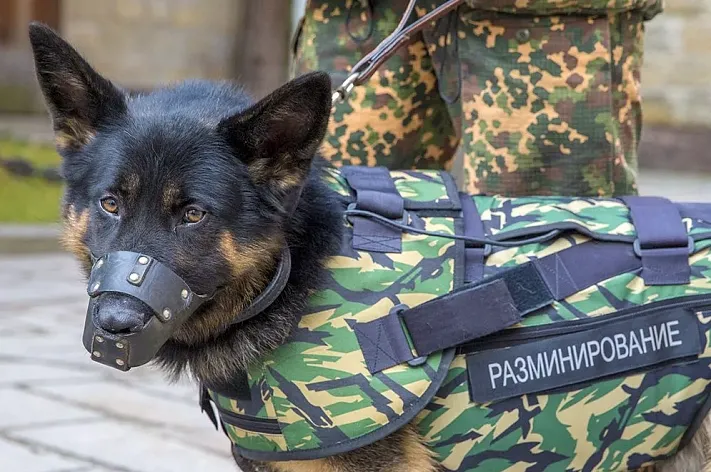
x: 63, y: 141
x: 418, y: 457
x: 317, y: 465
x: 404, y: 451
x: 72, y: 238
x: 171, y: 192
x: 71, y: 133
x: 250, y: 266
x: 243, y: 259
x: 284, y: 177
x: 696, y: 456
x: 131, y: 184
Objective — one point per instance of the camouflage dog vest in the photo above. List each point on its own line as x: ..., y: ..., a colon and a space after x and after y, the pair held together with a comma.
x: 576, y: 339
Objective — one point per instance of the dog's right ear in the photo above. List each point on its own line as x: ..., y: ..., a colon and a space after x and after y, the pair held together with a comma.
x: 78, y: 98
x: 278, y: 136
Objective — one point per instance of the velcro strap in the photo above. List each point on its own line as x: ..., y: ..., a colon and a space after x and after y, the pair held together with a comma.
x: 662, y: 240
x: 492, y: 304
x: 375, y: 192
x: 473, y: 312
x: 569, y: 271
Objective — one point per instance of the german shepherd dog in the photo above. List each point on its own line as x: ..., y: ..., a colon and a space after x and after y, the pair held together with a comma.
x: 200, y: 177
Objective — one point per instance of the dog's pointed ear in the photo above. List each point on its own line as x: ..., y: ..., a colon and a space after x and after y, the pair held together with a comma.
x: 78, y: 98
x: 278, y: 136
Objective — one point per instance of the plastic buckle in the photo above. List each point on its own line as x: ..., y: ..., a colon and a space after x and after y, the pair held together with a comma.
x: 639, y: 251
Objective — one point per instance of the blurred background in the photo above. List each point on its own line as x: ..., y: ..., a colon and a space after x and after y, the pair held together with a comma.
x: 61, y: 412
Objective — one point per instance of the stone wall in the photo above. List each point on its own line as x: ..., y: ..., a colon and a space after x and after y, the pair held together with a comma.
x: 676, y: 81
x: 140, y: 43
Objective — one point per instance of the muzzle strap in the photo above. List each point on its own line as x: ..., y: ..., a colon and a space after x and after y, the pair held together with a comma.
x: 271, y: 292
x: 146, y: 279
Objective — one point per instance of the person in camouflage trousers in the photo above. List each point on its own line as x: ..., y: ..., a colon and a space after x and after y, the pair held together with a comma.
x: 541, y: 96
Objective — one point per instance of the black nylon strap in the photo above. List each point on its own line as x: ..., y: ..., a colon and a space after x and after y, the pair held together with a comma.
x: 494, y: 303
x: 662, y: 240
x: 473, y: 226
x: 376, y: 193
x: 271, y: 292
x: 478, y: 310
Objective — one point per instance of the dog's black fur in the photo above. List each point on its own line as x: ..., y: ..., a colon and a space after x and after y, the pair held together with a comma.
x: 213, y: 186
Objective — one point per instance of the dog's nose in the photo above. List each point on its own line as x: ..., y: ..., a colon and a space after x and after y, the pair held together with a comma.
x: 121, y: 314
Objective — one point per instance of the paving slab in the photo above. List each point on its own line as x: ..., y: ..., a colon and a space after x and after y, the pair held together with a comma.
x: 123, y: 446
x: 126, y: 402
x: 21, y: 411
x: 22, y: 458
x: 17, y: 373
x: 677, y: 186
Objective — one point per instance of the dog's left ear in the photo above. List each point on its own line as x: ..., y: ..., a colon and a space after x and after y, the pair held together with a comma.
x: 278, y: 136
x: 79, y: 100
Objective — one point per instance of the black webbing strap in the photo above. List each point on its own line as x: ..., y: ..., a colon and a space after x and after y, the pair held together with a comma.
x: 492, y: 304
x: 662, y: 240
x: 473, y: 226
x: 375, y: 192
x: 495, y: 304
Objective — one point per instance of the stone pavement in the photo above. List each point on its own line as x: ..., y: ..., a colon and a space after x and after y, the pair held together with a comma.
x: 61, y: 412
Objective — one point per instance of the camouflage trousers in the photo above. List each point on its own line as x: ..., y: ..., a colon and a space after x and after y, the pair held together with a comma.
x: 539, y: 100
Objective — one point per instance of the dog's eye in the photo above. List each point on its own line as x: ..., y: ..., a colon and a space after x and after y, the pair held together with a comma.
x: 110, y: 205
x: 193, y: 215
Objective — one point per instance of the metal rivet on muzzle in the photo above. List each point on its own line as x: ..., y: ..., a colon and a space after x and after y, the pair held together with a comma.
x: 143, y: 260
x: 95, y: 288
x: 133, y: 277
x: 166, y: 314
x: 119, y: 345
x: 99, y: 263
x: 99, y: 339
x: 120, y: 362
x: 96, y: 354
x: 184, y: 294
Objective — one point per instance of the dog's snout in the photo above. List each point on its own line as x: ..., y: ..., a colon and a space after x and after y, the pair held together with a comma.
x: 121, y: 314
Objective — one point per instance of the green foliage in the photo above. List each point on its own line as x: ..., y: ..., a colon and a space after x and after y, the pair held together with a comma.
x: 23, y: 199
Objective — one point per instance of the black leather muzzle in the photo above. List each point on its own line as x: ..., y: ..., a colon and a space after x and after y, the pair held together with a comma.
x: 144, y: 278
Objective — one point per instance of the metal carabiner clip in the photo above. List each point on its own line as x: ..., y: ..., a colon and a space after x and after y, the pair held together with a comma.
x: 344, y: 90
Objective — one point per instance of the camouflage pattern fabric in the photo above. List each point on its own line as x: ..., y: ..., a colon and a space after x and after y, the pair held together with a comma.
x: 319, y: 394
x: 317, y: 385
x: 542, y: 95
x: 618, y: 424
